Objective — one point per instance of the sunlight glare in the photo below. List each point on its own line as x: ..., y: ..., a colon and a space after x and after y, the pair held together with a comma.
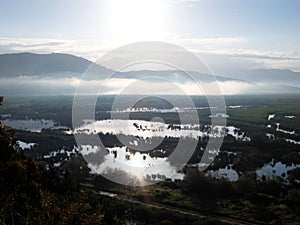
x: 137, y: 20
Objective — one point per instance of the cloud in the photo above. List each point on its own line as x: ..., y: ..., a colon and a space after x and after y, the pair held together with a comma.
x: 265, y: 59
x: 234, y: 87
x: 181, y: 2
x: 227, y: 46
x: 256, y: 54
x: 208, y: 44
x: 214, y: 41
x: 224, y: 55
x: 234, y: 51
x: 42, y: 46
x: 32, y: 85
x: 23, y: 44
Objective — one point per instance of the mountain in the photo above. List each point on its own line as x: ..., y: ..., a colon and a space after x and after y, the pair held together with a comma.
x: 29, y: 64
x: 58, y: 65
x: 270, y: 76
x: 56, y: 73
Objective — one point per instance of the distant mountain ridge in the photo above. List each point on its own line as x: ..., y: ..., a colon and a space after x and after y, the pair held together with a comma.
x: 51, y: 67
x: 54, y: 64
x: 275, y: 76
x: 58, y: 65
x: 30, y: 64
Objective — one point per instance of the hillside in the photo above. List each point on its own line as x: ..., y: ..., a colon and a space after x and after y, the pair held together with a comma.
x: 29, y: 64
x: 57, y: 73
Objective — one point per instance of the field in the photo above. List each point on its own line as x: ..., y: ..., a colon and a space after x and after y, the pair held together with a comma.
x: 254, y: 178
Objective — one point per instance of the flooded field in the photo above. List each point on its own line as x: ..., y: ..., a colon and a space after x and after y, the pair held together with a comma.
x: 149, y: 124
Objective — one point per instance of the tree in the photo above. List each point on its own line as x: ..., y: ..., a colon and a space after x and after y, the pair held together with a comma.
x: 197, y: 183
x: 32, y: 194
x: 8, y: 144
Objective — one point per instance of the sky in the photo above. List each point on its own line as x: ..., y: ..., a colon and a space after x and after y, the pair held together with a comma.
x: 231, y: 36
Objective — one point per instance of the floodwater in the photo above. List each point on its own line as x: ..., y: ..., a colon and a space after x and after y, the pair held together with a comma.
x: 26, y: 146
x: 149, y: 129
x: 32, y: 125
x: 138, y: 164
x: 273, y: 170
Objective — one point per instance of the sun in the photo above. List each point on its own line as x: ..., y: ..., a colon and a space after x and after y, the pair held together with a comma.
x: 137, y: 20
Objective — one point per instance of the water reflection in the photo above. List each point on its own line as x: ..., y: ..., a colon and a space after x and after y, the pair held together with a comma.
x: 275, y: 169
x: 137, y: 165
